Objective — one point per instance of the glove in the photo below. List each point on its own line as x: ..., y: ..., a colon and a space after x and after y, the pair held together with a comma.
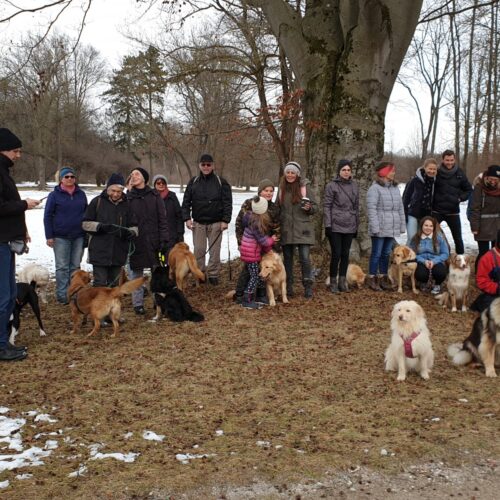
x: 164, y: 248
x: 328, y: 232
x: 105, y: 228
x: 127, y: 234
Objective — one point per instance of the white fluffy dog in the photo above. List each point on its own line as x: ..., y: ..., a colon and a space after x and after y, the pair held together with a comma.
x: 38, y: 274
x: 410, y: 347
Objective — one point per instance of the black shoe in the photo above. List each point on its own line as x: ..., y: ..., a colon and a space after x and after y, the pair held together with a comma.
x: 213, y: 281
x: 238, y: 298
x: 12, y: 355
x: 139, y: 310
x: 19, y: 348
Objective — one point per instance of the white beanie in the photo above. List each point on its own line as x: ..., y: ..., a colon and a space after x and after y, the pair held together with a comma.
x: 259, y: 205
x: 292, y: 166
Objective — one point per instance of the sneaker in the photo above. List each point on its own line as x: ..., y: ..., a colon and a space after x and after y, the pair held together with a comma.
x: 251, y: 305
x: 436, y: 289
x: 7, y: 354
x: 139, y: 310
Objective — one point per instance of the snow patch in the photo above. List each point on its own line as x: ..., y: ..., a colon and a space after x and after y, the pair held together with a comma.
x: 184, y: 458
x: 45, y: 417
x: 123, y: 457
x: 152, y: 436
x: 80, y: 472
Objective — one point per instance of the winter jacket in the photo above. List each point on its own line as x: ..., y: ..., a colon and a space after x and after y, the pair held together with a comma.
x: 208, y: 198
x: 484, y: 212
x: 175, y: 221
x: 149, y: 209
x: 386, y: 215
x: 418, y: 195
x: 274, y: 214
x: 425, y: 250
x: 253, y: 242
x: 297, y: 225
x: 12, y: 208
x: 64, y: 214
x: 488, y: 273
x: 452, y: 187
x: 341, y: 206
x: 109, y: 249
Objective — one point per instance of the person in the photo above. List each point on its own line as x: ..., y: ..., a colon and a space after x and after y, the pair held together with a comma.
x: 112, y: 227
x: 154, y: 238
x: 62, y: 220
x: 386, y: 221
x: 485, y: 210
x: 432, y: 252
x: 488, y: 277
x: 254, y: 242
x: 206, y: 208
x: 173, y: 209
x: 341, y: 218
x: 265, y: 189
x: 418, y: 196
x: 12, y: 228
x: 451, y: 188
x: 297, y: 206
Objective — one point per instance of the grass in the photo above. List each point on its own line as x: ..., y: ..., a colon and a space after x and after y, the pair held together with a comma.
x: 307, y: 378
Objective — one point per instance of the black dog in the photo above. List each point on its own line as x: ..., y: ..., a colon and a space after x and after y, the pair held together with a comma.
x: 169, y: 300
x: 26, y: 294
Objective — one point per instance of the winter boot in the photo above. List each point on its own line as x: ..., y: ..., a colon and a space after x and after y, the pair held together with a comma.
x: 385, y: 283
x: 261, y: 297
x: 334, y: 288
x: 238, y: 298
x: 249, y: 302
x: 372, y: 282
x: 308, y: 289
x: 343, y: 287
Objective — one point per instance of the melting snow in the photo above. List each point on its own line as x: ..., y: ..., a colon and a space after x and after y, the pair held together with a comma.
x: 184, y: 458
x: 45, y: 417
x: 51, y: 445
x: 21, y: 477
x: 4, y: 484
x: 3, y: 409
x: 124, y: 457
x: 80, y: 472
x: 152, y: 436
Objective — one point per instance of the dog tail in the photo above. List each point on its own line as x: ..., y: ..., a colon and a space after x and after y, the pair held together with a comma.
x: 123, y: 277
x: 459, y: 356
x: 195, y: 269
x: 129, y: 286
x: 196, y: 317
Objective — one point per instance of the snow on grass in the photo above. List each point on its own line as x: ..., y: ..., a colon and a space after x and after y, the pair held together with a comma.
x: 152, y: 436
x: 184, y: 458
x: 4, y: 484
x: 4, y: 409
x: 80, y: 472
x: 45, y: 417
x: 123, y: 457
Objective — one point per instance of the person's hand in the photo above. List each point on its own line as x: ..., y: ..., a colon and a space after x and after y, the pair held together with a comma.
x: 50, y: 243
x: 32, y: 203
x: 307, y: 206
x: 223, y: 226
x: 275, y: 238
x: 127, y: 234
x: 475, y: 232
x: 328, y: 232
x: 189, y: 224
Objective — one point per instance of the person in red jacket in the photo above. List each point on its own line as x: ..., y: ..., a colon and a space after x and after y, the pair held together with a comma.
x: 488, y: 277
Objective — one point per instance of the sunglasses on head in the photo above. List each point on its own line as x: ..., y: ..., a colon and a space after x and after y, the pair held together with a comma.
x: 69, y: 176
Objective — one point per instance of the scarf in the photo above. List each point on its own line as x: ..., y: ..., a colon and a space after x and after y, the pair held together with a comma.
x: 489, y: 190
x: 163, y: 193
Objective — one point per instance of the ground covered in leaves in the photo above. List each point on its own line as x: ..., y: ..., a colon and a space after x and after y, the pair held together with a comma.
x: 287, y: 395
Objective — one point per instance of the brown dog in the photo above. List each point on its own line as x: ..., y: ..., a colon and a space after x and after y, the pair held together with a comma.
x: 181, y: 261
x: 272, y: 271
x: 403, y: 263
x: 355, y: 276
x: 457, y: 284
x: 98, y: 302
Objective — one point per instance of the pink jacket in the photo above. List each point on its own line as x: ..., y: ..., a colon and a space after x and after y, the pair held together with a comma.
x: 253, y: 243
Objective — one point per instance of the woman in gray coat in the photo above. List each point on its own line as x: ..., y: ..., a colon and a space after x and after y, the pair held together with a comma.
x: 297, y: 207
x: 341, y: 217
x: 386, y: 220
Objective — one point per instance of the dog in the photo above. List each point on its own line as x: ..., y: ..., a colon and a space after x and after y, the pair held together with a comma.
x: 38, y: 274
x: 483, y: 344
x: 272, y: 271
x: 181, y: 261
x: 403, y: 263
x: 169, y: 300
x: 26, y: 294
x: 97, y: 302
x: 355, y: 276
x: 457, y: 284
x: 410, y: 347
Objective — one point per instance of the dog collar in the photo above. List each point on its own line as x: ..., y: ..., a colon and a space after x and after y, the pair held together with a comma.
x: 407, y: 344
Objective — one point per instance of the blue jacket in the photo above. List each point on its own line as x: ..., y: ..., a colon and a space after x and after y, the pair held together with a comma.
x: 425, y: 251
x: 64, y: 213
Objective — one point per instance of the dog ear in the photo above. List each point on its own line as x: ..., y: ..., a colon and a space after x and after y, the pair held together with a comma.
x: 406, y: 252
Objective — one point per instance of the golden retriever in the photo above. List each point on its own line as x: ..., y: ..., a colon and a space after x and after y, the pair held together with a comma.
x: 98, y: 302
x: 410, y: 347
x: 457, y: 283
x: 355, y: 276
x: 181, y: 261
x: 272, y: 271
x: 403, y: 263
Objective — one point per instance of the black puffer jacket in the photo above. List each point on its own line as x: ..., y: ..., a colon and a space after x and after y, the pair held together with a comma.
x: 109, y: 249
x: 452, y: 187
x: 12, y: 208
x: 418, y: 195
x: 174, y: 217
x: 209, y: 199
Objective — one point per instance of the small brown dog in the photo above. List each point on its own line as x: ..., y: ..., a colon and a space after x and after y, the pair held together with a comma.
x: 403, y: 263
x: 457, y: 284
x: 355, y: 276
x: 98, y: 302
x: 181, y: 261
x: 272, y: 271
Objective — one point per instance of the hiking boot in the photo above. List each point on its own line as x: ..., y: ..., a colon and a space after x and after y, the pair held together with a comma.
x: 213, y: 280
x: 334, y: 288
x: 8, y: 354
x: 139, y: 310
x: 308, y: 289
x: 343, y: 287
x: 372, y: 283
x: 385, y: 283
x: 238, y: 298
x: 19, y: 348
x: 261, y: 297
x: 249, y: 303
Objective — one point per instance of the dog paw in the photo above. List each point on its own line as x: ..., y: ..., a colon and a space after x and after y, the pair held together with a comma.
x: 401, y: 378
x: 415, y: 291
x: 453, y: 309
x: 286, y: 301
x: 464, y: 309
x: 42, y: 333
x: 491, y: 373
x: 273, y: 303
x: 425, y: 376
x: 400, y: 290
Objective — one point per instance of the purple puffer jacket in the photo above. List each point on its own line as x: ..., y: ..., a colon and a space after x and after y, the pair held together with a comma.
x: 253, y: 243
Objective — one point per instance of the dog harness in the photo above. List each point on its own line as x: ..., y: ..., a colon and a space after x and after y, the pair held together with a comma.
x: 407, y: 344
x: 74, y: 298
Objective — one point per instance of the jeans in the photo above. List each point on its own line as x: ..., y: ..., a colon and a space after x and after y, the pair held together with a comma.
x: 379, y: 258
x: 137, y: 295
x: 340, y: 243
x: 411, y: 228
x: 455, y: 226
x: 8, y: 291
x: 304, y: 259
x: 68, y: 256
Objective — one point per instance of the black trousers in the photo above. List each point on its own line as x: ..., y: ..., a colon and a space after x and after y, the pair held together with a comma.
x: 340, y: 244
x: 439, y: 272
x: 482, y: 247
x: 455, y: 226
x: 106, y: 275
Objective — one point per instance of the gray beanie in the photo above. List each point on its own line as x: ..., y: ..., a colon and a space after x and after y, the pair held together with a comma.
x: 292, y: 166
x: 263, y: 184
x: 159, y: 176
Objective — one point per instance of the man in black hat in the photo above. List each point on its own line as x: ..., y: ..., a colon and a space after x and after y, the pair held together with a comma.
x: 12, y: 228
x: 207, y: 207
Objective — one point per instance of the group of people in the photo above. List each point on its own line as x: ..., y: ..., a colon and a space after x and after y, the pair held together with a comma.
x: 133, y: 224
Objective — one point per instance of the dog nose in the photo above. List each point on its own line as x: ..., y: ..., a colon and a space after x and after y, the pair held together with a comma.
x: 401, y: 317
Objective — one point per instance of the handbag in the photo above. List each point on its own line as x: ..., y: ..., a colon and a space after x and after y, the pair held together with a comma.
x: 18, y: 246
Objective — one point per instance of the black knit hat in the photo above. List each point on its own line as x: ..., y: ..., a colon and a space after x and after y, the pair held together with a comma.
x: 8, y: 140
x: 206, y: 158
x: 342, y: 164
x: 493, y: 171
x: 143, y: 172
x: 116, y: 180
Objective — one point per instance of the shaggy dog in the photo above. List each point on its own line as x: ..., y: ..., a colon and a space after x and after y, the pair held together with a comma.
x: 272, y: 271
x: 169, y: 300
x: 26, y: 294
x: 97, y: 302
x: 181, y: 261
x: 457, y: 284
x: 403, y: 263
x: 410, y: 347
x: 38, y: 274
x: 355, y: 276
x: 483, y: 344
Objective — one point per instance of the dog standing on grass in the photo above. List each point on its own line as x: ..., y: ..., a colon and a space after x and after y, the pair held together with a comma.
x: 181, y: 262
x: 38, y: 274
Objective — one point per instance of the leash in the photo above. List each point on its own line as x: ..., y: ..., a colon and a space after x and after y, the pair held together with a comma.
x: 229, y: 257
x: 213, y: 243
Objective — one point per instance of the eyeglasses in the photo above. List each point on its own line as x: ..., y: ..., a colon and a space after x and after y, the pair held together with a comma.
x: 206, y: 164
x: 160, y: 182
x: 69, y: 176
